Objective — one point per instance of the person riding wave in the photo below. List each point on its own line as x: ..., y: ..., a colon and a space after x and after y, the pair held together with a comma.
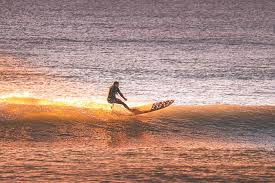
x: 113, y: 91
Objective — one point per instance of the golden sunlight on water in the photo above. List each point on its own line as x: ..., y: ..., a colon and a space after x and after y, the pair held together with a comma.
x: 79, y: 162
x: 57, y: 140
x: 58, y: 60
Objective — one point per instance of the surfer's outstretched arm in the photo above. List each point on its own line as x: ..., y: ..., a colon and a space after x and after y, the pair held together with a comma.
x: 121, y: 94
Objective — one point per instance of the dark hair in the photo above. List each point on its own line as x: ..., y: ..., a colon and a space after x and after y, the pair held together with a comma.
x: 116, y: 82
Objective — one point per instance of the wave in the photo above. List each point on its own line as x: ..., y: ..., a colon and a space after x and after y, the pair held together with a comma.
x: 48, y: 120
x: 181, y: 41
x: 188, y: 41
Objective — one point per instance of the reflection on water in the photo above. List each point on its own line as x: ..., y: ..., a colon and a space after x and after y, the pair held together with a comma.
x: 43, y: 140
x: 196, y: 52
x: 73, y: 161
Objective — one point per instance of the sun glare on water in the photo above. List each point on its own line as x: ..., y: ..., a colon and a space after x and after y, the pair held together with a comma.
x: 95, y: 102
x: 28, y: 99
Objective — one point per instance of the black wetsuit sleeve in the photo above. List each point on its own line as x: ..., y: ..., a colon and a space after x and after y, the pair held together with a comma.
x: 118, y: 90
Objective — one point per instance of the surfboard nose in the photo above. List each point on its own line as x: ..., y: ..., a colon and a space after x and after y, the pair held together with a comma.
x: 161, y: 105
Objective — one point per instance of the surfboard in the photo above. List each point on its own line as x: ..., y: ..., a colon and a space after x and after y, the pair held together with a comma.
x: 151, y: 107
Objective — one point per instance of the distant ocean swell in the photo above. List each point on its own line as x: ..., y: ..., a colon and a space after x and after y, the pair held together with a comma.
x: 191, y: 41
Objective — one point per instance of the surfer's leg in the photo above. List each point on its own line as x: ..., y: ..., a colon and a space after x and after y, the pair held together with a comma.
x: 112, y: 102
x: 118, y: 101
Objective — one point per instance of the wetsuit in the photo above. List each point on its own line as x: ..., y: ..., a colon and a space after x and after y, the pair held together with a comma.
x: 112, y: 96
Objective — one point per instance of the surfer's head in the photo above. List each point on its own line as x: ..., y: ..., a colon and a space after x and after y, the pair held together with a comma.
x: 116, y: 83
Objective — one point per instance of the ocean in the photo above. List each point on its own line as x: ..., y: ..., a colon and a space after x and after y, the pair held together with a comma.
x: 214, y: 58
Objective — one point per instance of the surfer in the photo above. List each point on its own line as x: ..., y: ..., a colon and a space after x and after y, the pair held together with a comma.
x: 114, y: 89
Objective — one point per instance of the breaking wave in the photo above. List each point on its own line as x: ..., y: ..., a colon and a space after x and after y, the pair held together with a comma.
x: 43, y: 120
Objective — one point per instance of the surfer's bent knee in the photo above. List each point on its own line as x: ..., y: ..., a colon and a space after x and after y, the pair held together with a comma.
x: 114, y: 100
